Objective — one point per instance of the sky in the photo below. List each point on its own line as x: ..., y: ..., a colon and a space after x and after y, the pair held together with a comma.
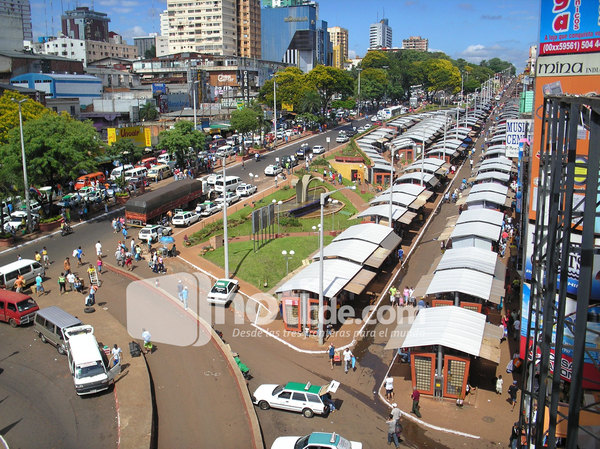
x: 476, y: 30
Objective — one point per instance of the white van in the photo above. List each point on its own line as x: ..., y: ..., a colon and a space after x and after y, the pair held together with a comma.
x: 136, y: 172
x: 117, y: 172
x: 27, y: 268
x: 90, y: 368
x: 230, y: 184
x: 164, y: 158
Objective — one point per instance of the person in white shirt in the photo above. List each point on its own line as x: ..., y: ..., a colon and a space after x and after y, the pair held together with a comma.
x: 117, y: 355
x: 99, y: 248
x: 389, y: 388
x: 347, y: 359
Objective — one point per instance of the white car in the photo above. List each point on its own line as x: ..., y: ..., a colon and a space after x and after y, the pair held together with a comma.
x: 295, y: 396
x: 273, y: 170
x: 318, y: 149
x: 185, y: 218
x: 223, y: 291
x: 246, y: 190
x: 316, y: 440
x: 342, y: 138
x: 153, y: 232
x: 230, y: 197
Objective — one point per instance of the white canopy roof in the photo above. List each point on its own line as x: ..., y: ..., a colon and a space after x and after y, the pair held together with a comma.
x: 484, y: 215
x: 354, y: 250
x: 399, y: 213
x: 495, y: 175
x: 489, y: 187
x: 478, y: 229
x: 369, y: 232
x: 428, y: 178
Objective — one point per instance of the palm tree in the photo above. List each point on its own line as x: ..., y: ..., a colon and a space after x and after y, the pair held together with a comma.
x: 310, y: 102
x: 148, y: 111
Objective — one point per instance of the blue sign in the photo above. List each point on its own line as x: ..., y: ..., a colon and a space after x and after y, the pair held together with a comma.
x: 569, y: 26
x: 159, y: 88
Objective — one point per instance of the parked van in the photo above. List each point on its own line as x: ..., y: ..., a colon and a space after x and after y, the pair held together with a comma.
x: 86, y: 180
x: 117, y: 172
x: 230, y: 184
x: 27, y: 268
x: 164, y: 158
x: 149, y: 162
x: 50, y: 325
x: 136, y: 172
x: 159, y: 172
x: 89, y: 366
x: 17, y: 308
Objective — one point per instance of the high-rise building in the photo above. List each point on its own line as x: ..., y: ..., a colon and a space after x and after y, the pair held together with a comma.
x: 248, y: 19
x: 16, y: 14
x: 164, y: 23
x: 339, y: 41
x: 81, y: 23
x: 380, y: 35
x: 295, y: 35
x: 211, y: 28
x: 283, y: 3
x: 415, y: 43
x: 145, y: 43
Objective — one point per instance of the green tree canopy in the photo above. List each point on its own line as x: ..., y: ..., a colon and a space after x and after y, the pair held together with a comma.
x: 148, y: 111
x: 442, y: 76
x: 9, y: 112
x: 180, y: 139
x: 57, y: 148
x: 329, y: 81
x: 125, y: 151
x: 245, y: 120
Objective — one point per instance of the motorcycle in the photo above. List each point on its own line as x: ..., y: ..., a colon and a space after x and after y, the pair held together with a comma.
x: 243, y: 368
x: 257, y: 157
x: 66, y: 230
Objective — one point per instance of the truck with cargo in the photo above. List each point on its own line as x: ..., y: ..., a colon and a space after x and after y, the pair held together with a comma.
x: 152, y: 206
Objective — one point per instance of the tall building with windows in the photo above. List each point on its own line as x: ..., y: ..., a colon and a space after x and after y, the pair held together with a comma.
x: 210, y: 28
x: 164, y: 23
x: 415, y: 43
x: 339, y: 41
x: 380, y: 35
x: 248, y: 18
x: 16, y: 15
x: 81, y: 23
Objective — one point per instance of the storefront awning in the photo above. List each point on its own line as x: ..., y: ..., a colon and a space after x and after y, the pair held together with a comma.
x: 360, y: 281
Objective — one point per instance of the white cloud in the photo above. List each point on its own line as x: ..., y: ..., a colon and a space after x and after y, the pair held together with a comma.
x: 136, y: 31
x: 477, y: 53
x: 351, y: 54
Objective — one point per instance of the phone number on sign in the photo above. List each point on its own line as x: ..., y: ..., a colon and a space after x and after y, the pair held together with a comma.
x: 587, y: 45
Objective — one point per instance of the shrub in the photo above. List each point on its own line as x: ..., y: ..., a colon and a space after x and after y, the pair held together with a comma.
x: 51, y: 219
x: 288, y: 220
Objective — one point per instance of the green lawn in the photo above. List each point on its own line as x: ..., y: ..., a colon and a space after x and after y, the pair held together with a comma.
x: 267, y: 264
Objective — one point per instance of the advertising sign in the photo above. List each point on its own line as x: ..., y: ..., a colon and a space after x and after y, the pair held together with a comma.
x: 516, y: 130
x: 139, y: 135
x: 568, y: 65
x: 223, y: 79
x: 569, y: 26
x: 159, y: 88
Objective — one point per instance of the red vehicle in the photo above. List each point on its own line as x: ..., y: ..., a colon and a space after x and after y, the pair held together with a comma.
x: 148, y: 162
x: 17, y: 308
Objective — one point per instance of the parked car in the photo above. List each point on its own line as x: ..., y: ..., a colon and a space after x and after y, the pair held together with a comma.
x: 152, y: 233
x: 16, y: 220
x: 342, y: 138
x: 94, y: 195
x: 295, y: 396
x: 223, y: 291
x: 70, y: 200
x: 185, y: 218
x: 318, y: 149
x: 273, y: 170
x: 209, y: 208
x: 230, y: 197
x: 316, y: 440
x: 246, y: 190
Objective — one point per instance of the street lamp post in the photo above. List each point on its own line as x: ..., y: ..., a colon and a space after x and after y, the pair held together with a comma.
x: 194, y: 95
x: 287, y: 256
x: 391, y: 184
x: 275, y: 202
x: 225, y: 239
x: 359, y: 70
x: 274, y: 112
x: 334, y: 203
x: 324, y: 197
x: 28, y: 205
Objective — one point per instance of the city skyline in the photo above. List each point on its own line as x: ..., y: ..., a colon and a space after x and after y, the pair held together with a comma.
x: 473, y: 31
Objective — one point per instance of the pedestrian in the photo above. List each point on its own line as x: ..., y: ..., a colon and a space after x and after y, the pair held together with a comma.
x: 71, y: 281
x: 124, y: 231
x: 499, y: 383
x: 128, y: 262
x: 392, y: 437
x: 78, y: 253
x: 133, y: 245
x: 45, y: 258
x: 39, y: 284
x: 99, y: 264
x: 347, y: 359
x: 184, y: 297
x: 147, y: 341
x: 331, y: 353
x: 515, y: 436
x: 37, y: 257
x: 512, y: 392
x: 62, y: 283
x: 516, y: 329
x: 416, y: 396
x: 117, y: 355
x: 19, y: 257
x: 389, y: 388
x: 393, y: 295
x: 99, y: 249
x: 179, y: 290
x: 92, y: 294
x: 327, y: 400
x: 118, y: 257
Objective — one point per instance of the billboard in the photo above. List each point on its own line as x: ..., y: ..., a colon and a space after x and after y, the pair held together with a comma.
x: 569, y: 26
x: 139, y: 135
x: 516, y: 130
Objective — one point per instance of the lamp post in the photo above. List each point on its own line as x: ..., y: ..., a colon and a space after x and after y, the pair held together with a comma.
x: 287, y: 256
x: 334, y: 203
x: 385, y: 67
x: 225, y: 240
x: 391, y: 184
x: 28, y: 205
x: 194, y: 95
x: 324, y: 197
x: 275, y: 202
x: 274, y: 112
x: 359, y: 70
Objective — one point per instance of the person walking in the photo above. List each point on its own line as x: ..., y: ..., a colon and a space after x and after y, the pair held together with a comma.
x: 512, y: 392
x: 392, y: 437
x: 99, y: 249
x: 67, y: 266
x: 416, y: 396
x: 389, y: 388
x: 347, y: 359
x: 71, y: 281
x: 99, y: 264
x: 92, y: 294
x: 147, y: 341
x: 184, y: 297
x: 331, y: 353
x: 39, y: 285
x: 396, y: 412
x: 124, y: 232
x: 45, y: 258
x: 62, y: 283
x: 516, y: 329
x: 180, y: 290
x: 499, y: 383
x: 78, y: 253
x: 117, y: 354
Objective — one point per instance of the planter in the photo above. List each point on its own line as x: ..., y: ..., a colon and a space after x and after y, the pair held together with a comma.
x: 247, y: 157
x: 354, y: 159
x: 48, y: 226
x: 7, y: 242
x: 122, y: 199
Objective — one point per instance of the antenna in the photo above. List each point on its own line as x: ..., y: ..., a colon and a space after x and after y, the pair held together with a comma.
x: 92, y: 8
x: 52, y: 17
x: 46, y: 17
x: 153, y: 18
x: 383, y: 17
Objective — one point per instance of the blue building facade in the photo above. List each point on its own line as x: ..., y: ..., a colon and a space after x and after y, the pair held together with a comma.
x: 294, y: 35
x: 83, y: 87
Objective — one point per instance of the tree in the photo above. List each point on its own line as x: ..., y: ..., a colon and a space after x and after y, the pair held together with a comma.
x: 442, y: 76
x: 150, y: 53
x: 125, y: 151
x: 310, y: 102
x: 245, y: 120
x: 373, y: 83
x: 57, y: 148
x: 329, y: 81
x: 9, y: 112
x: 290, y: 84
x: 148, y: 111
x: 180, y: 139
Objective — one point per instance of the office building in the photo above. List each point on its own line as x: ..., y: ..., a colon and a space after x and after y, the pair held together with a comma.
x: 248, y: 20
x: 81, y: 23
x: 164, y: 23
x: 295, y: 35
x: 380, y: 34
x: 16, y: 16
x: 415, y: 43
x: 210, y: 29
x: 339, y: 41
x: 144, y: 43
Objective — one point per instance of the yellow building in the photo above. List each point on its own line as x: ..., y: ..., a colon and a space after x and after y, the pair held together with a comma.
x: 339, y: 38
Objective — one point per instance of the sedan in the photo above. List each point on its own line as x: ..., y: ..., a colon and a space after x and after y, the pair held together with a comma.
x: 273, y: 170
x: 185, y: 218
x: 294, y: 396
x: 342, y: 138
x: 316, y: 440
x: 223, y: 292
x: 318, y: 149
x: 230, y: 197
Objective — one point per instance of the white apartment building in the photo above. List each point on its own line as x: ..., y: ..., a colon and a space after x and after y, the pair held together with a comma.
x: 380, y: 35
x: 203, y: 26
x: 164, y: 23
x: 65, y: 47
